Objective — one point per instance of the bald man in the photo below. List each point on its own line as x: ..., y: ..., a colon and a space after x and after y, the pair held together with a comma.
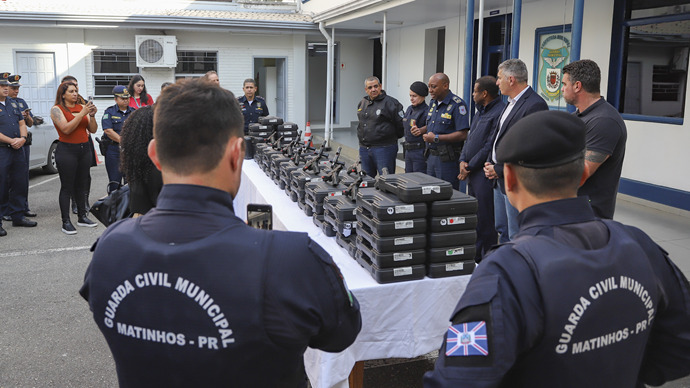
x: 447, y: 127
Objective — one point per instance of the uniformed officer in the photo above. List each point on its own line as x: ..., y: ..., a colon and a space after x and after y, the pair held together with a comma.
x: 13, y: 163
x: 415, y: 126
x: 573, y: 300
x: 190, y: 295
x: 29, y: 120
x: 112, y: 121
x: 252, y: 106
x: 447, y: 124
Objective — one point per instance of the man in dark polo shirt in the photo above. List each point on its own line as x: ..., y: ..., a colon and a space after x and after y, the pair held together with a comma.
x: 606, y: 135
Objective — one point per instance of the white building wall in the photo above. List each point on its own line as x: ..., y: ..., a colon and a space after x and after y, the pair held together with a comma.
x: 356, y: 64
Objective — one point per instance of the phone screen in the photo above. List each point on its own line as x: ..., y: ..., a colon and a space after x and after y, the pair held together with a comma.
x: 90, y: 99
x: 260, y: 216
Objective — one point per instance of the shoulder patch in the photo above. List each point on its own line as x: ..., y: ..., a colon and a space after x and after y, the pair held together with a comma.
x: 467, y: 339
x: 401, y: 114
x: 463, y: 110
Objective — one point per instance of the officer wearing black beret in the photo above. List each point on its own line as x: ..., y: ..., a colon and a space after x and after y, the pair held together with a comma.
x: 190, y: 295
x: 414, y: 123
x: 573, y: 300
x: 13, y: 163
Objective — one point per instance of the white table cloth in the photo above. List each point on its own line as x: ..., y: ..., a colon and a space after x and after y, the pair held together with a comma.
x: 404, y: 320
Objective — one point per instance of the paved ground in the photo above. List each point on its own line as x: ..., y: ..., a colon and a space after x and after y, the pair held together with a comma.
x: 47, y: 335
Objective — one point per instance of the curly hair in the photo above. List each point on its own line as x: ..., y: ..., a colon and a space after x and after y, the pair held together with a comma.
x: 135, y: 137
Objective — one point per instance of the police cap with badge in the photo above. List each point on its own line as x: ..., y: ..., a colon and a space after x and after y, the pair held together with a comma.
x: 4, y: 79
x: 121, y: 91
x: 542, y: 140
x: 14, y: 80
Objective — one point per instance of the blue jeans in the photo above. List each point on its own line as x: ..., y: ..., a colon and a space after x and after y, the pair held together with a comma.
x: 415, y: 161
x: 505, y: 217
x: 448, y: 171
x: 374, y: 159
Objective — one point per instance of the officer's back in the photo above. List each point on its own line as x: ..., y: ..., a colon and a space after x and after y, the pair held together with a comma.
x: 188, y: 294
x: 573, y: 300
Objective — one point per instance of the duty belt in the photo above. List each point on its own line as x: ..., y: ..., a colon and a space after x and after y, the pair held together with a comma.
x: 433, y: 151
x: 413, y: 146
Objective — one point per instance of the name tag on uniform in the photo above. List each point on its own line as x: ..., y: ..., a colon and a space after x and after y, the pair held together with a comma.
x: 116, y: 117
x: 446, y: 116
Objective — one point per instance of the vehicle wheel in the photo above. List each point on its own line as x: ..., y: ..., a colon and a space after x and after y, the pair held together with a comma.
x: 51, y: 167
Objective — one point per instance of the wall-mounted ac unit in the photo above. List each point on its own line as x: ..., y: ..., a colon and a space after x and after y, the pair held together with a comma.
x: 156, y: 50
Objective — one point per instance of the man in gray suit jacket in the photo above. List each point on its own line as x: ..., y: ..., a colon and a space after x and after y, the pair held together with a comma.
x: 522, y: 101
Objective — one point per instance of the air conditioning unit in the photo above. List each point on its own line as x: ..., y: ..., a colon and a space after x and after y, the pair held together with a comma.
x: 156, y: 50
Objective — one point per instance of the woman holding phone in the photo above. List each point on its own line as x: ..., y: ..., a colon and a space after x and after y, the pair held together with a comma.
x: 73, y: 157
x: 137, y: 90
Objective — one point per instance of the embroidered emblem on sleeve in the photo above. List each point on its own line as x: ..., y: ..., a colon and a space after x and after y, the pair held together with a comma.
x: 467, y: 339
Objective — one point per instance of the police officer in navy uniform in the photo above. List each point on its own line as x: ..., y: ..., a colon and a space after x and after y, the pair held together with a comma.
x: 573, y: 300
x: 414, y: 123
x: 252, y: 106
x: 215, y: 302
x: 29, y: 120
x: 13, y: 163
x: 112, y: 121
x: 447, y: 124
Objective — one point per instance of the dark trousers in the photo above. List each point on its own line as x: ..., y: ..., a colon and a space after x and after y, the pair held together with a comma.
x: 73, y: 163
x: 482, y: 189
x: 448, y: 171
x: 14, y: 180
x: 374, y: 159
x: 415, y: 160
x: 112, y: 165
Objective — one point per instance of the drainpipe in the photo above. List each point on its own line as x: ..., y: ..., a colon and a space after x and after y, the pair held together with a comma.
x: 469, y: 40
x: 515, y: 39
x: 329, y: 81
x: 576, y: 36
x: 383, y: 50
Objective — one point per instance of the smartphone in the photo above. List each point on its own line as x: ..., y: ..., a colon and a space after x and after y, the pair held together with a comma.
x: 90, y: 99
x: 260, y: 216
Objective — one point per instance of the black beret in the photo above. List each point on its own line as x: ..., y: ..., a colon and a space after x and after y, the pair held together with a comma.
x: 420, y: 88
x: 543, y: 139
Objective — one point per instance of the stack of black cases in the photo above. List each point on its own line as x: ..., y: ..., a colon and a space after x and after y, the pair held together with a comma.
x: 452, y: 236
x: 391, y: 236
x: 339, y: 219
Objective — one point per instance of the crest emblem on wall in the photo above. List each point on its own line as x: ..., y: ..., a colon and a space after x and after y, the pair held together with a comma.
x: 554, y: 54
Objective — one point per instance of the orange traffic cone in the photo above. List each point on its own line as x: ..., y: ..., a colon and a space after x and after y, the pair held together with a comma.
x: 307, y: 135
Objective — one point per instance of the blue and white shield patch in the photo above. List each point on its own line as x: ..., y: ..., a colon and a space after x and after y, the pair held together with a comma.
x: 467, y: 339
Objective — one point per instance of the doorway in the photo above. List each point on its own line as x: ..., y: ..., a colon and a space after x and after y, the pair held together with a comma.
x: 495, y: 43
x: 270, y: 77
x: 317, y: 66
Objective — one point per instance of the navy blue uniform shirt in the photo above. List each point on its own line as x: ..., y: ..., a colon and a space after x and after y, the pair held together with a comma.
x: 253, y: 111
x: 572, y: 301
x: 447, y: 116
x: 478, y: 144
x: 417, y: 113
x: 10, y: 116
x: 114, y: 118
x: 190, y: 295
x: 22, y: 105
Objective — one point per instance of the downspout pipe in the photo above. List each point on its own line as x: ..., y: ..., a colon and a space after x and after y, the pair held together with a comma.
x: 469, y: 39
x: 515, y: 38
x: 384, y: 50
x: 329, y: 81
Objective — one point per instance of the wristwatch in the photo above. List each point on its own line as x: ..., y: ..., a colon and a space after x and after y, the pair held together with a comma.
x: 436, y: 139
x: 25, y: 138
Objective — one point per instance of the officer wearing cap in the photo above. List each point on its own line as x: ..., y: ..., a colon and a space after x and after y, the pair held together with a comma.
x: 414, y: 123
x: 13, y: 163
x: 573, y: 300
x: 447, y: 125
x: 190, y: 295
x: 28, y: 119
x: 112, y: 121
x: 252, y: 106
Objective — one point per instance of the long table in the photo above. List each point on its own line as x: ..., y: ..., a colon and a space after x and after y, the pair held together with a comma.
x: 399, y: 320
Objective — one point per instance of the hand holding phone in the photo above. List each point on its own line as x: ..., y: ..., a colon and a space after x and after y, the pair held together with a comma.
x: 260, y: 216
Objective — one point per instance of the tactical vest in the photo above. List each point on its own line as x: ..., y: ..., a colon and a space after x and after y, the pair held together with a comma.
x: 193, y: 312
x: 598, y: 307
